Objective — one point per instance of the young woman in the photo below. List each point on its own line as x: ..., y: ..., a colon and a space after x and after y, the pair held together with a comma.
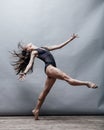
x: 25, y: 62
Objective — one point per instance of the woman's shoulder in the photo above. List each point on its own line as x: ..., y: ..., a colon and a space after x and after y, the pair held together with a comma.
x: 34, y: 52
x: 44, y: 47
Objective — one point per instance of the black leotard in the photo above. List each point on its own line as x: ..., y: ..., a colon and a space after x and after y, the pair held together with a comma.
x: 45, y: 55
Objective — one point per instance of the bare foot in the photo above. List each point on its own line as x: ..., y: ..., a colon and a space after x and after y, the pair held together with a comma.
x: 92, y: 85
x: 36, y: 114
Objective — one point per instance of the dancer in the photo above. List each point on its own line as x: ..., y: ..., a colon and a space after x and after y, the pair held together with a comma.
x: 24, y: 65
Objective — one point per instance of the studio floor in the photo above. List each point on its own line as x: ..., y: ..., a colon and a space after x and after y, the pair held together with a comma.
x: 52, y: 123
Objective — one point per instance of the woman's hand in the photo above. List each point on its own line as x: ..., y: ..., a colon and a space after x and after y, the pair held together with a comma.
x: 22, y: 76
x: 74, y: 36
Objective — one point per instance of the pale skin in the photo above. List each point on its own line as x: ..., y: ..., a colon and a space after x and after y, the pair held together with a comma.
x: 52, y: 73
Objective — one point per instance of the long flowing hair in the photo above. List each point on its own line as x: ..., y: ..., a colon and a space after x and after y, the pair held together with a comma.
x: 22, y: 58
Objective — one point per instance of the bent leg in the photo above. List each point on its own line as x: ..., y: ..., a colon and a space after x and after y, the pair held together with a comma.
x: 48, y: 85
x: 58, y: 74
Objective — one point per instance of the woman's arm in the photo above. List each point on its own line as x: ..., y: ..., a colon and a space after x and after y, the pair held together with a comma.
x: 54, y: 47
x: 30, y: 63
x: 32, y: 58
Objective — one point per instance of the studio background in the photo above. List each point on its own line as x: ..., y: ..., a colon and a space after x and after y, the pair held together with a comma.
x: 49, y: 22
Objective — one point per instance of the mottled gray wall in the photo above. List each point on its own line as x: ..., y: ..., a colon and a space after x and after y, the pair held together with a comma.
x: 49, y: 22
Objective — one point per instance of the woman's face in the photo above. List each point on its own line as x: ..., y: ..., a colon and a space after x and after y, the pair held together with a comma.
x: 29, y: 46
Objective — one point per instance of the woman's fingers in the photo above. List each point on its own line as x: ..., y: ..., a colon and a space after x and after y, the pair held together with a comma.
x: 21, y: 77
x: 75, y: 35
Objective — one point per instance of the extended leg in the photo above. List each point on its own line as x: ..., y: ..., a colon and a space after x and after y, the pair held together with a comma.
x: 48, y: 85
x: 58, y: 74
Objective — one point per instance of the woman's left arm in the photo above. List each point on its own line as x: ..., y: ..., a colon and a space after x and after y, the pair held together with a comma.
x: 54, y: 47
x: 22, y: 75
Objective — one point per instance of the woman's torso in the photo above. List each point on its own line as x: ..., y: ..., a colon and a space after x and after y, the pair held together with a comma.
x: 45, y: 55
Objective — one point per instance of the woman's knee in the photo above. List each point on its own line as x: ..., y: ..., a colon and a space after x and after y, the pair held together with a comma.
x: 68, y: 78
x: 65, y: 77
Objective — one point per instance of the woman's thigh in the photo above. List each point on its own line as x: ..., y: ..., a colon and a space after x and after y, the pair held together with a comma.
x: 54, y: 72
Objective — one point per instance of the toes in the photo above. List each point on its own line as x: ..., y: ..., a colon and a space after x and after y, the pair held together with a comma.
x: 35, y: 113
x: 95, y: 86
x: 92, y: 85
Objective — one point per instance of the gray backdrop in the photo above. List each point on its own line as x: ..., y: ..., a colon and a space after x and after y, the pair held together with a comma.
x: 49, y: 22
